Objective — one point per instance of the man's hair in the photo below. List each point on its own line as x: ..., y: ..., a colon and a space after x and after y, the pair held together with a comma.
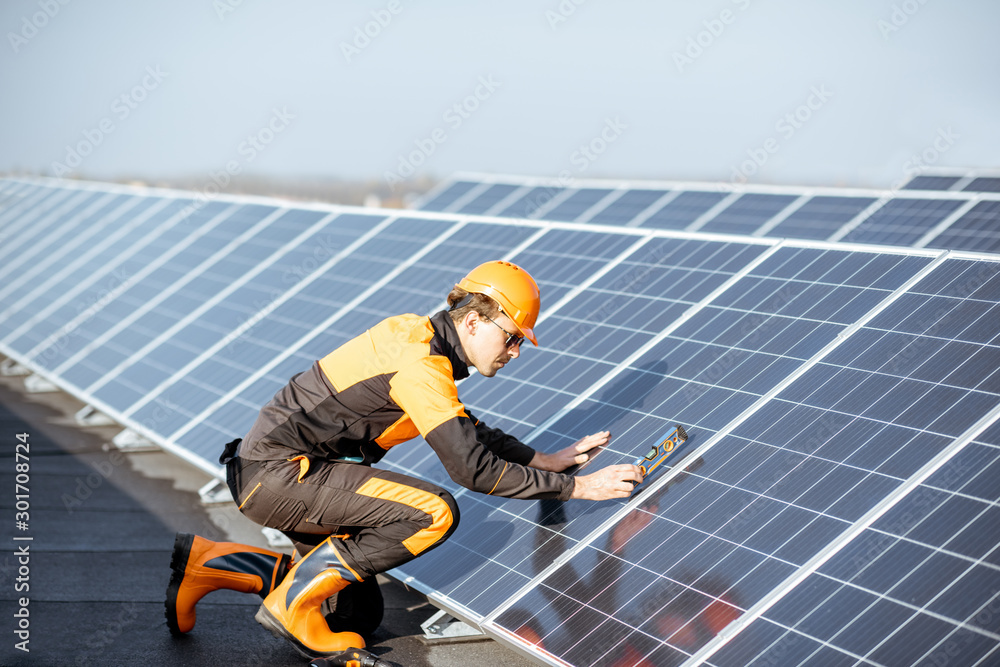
x: 462, y: 303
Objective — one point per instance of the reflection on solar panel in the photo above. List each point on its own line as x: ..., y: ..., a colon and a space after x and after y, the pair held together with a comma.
x: 915, y: 218
x: 834, y: 504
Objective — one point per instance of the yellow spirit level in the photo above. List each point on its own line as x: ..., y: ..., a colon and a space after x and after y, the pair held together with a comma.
x: 671, y: 441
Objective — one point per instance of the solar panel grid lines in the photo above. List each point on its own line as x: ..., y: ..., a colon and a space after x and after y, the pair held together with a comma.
x: 887, y: 503
x: 228, y: 245
x: 851, y: 214
x: 946, y: 222
x: 978, y: 229
x: 201, y: 222
x: 611, y: 195
x: 544, y: 206
x: 64, y: 241
x: 46, y: 326
x: 786, y: 212
x: 657, y: 201
x: 77, y: 277
x: 20, y: 202
x: 145, y: 356
x: 260, y: 314
x: 31, y: 285
x: 37, y: 225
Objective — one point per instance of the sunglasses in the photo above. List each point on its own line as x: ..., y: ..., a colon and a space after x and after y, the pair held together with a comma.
x: 513, y: 340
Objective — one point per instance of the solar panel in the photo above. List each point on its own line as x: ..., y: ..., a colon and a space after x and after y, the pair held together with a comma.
x: 977, y: 230
x: 932, y: 182
x: 828, y: 390
x: 628, y: 207
x: 747, y: 214
x: 769, y: 496
x: 489, y: 198
x: 447, y: 197
x: 530, y: 203
x: 577, y: 204
x: 901, y: 221
x: 983, y: 184
x: 820, y: 217
x: 850, y: 215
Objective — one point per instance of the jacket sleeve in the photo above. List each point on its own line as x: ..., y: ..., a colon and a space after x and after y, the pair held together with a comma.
x: 426, y: 391
x: 505, y: 446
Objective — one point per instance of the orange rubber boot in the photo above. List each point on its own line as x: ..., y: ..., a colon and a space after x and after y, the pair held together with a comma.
x: 201, y: 566
x: 292, y: 610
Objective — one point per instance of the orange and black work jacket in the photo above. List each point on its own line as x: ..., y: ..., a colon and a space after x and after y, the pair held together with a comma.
x: 388, y: 385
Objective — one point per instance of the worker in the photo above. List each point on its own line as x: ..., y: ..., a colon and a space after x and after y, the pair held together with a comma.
x: 305, y: 468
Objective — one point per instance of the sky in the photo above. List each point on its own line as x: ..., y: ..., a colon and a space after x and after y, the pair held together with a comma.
x: 848, y: 93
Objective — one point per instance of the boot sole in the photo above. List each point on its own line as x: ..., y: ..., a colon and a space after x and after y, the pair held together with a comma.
x: 178, y: 566
x: 272, y: 625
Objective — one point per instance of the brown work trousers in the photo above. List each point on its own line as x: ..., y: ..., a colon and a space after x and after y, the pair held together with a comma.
x: 383, y: 518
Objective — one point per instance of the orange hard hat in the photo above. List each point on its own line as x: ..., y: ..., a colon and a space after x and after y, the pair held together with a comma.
x: 514, y: 290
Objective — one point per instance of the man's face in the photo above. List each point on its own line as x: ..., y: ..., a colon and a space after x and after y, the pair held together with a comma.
x: 488, y: 350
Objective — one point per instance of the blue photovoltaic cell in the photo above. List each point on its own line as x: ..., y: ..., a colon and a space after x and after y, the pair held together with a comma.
x: 919, y: 585
x: 187, y: 245
x: 983, y: 184
x: 170, y: 293
x: 747, y: 214
x: 24, y: 212
x: 581, y: 342
x: 932, y: 182
x: 154, y: 365
x: 45, y: 228
x: 820, y: 217
x: 105, y: 222
x: 576, y: 204
x: 902, y: 221
x: 449, y: 196
x: 627, y: 208
x: 978, y: 230
x: 50, y: 320
x: 488, y: 199
x: 530, y: 203
x: 698, y: 551
x: 683, y: 209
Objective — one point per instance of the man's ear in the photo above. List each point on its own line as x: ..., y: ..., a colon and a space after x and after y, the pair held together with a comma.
x: 471, y: 321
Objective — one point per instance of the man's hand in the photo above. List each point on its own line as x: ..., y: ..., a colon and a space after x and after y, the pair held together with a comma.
x: 607, y: 483
x: 573, y: 455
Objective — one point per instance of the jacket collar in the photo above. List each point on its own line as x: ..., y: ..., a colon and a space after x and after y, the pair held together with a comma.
x: 447, y: 343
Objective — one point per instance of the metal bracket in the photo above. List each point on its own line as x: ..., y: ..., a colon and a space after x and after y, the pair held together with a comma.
x: 36, y: 384
x: 88, y: 415
x: 10, y: 368
x: 443, y: 628
x: 130, y: 441
x: 215, y: 493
